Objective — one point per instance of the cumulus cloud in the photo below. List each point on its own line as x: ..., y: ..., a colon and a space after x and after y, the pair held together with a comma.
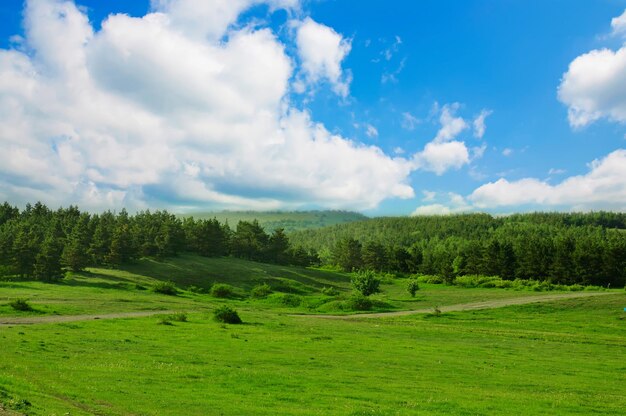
x: 175, y: 108
x: 444, y: 152
x: 188, y: 106
x: 603, y: 187
x: 451, y: 125
x: 322, y: 51
x: 594, y: 85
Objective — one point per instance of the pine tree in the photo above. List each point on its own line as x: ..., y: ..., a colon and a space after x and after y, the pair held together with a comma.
x: 75, y: 253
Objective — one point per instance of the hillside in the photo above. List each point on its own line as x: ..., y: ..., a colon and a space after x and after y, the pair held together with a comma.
x: 288, y: 220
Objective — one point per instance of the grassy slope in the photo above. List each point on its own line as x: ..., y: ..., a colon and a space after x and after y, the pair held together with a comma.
x: 289, y: 220
x: 560, y: 358
x: 564, y: 357
x: 106, y: 291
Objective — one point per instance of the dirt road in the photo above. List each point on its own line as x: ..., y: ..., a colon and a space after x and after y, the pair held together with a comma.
x: 28, y: 320
x: 490, y: 304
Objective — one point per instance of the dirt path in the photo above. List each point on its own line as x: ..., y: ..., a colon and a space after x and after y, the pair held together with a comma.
x: 490, y: 304
x: 28, y: 320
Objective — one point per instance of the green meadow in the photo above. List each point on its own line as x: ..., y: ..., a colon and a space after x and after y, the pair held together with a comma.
x: 558, y: 357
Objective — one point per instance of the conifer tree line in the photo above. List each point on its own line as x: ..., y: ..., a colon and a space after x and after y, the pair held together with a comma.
x: 579, y: 248
x: 42, y: 244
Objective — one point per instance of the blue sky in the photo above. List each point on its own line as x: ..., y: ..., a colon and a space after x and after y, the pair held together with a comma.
x: 286, y: 104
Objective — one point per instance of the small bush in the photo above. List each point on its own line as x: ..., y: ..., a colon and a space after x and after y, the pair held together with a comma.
x: 433, y: 280
x: 226, y: 315
x: 178, y: 317
x: 330, y: 291
x: 576, y: 288
x: 221, y: 290
x: 165, y: 320
x: 21, y: 305
x: 366, y: 282
x: 412, y: 287
x: 358, y: 302
x: 261, y: 291
x: 288, y: 299
x: 165, y: 288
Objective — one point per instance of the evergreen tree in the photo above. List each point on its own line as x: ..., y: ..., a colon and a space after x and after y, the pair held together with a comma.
x: 347, y: 254
x: 75, y: 253
x: 48, y: 260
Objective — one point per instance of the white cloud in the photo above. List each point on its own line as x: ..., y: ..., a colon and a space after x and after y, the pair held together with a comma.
x: 618, y: 24
x: 451, y: 125
x: 455, y: 204
x: 153, y: 111
x: 322, y: 51
x: 479, y: 123
x: 440, y: 157
x: 371, y: 131
x: 432, y: 209
x: 507, y: 152
x: 603, y: 187
x: 594, y: 85
x: 443, y: 152
x: 203, y: 19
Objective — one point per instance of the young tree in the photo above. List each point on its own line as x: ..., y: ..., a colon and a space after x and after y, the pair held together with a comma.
x: 365, y: 282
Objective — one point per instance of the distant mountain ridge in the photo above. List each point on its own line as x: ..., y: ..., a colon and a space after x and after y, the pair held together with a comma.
x: 288, y: 220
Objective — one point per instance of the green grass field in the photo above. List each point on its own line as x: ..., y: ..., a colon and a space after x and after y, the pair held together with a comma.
x: 562, y: 357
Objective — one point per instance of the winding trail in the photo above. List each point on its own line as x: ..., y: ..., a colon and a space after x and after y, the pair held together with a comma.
x: 489, y: 304
x: 29, y: 320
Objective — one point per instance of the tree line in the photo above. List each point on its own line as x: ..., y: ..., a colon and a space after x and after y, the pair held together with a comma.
x: 579, y: 248
x: 42, y: 244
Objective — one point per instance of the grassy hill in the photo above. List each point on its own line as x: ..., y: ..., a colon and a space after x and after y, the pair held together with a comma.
x: 500, y: 361
x: 288, y: 220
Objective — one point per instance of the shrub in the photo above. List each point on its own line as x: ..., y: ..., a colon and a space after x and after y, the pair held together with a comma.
x: 178, y: 317
x: 164, y: 320
x: 21, y: 305
x: 366, y: 282
x: 290, y: 300
x: 358, y: 302
x: 412, y: 287
x: 165, y: 288
x: 576, y: 288
x: 221, y: 290
x: 226, y: 315
x: 330, y: 291
x: 261, y: 291
x: 433, y: 280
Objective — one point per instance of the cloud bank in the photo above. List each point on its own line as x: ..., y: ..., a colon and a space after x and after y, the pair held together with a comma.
x: 188, y: 106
